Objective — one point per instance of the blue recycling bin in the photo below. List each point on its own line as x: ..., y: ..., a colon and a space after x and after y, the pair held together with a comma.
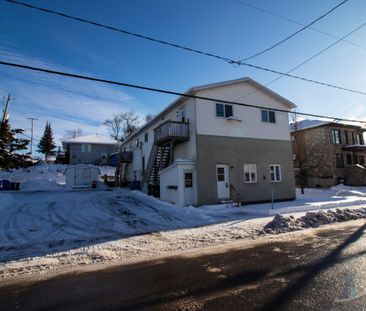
x: 5, y: 184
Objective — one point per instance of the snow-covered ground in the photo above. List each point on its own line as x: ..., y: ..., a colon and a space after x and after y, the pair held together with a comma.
x: 55, y: 229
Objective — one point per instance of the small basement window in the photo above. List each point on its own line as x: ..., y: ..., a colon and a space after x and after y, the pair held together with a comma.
x: 224, y: 111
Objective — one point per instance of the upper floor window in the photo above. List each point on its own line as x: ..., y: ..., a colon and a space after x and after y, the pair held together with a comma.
x: 250, y: 173
x: 146, y: 136
x: 353, y: 138
x: 336, y: 136
x: 224, y: 111
x: 268, y: 116
x: 85, y: 147
x: 275, y: 171
x: 346, y: 136
x: 359, y: 139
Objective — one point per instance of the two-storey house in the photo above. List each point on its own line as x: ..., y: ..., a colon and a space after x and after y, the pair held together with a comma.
x: 90, y: 149
x: 328, y: 153
x: 199, y: 151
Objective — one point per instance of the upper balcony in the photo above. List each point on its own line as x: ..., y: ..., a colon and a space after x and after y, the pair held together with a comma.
x: 171, y: 131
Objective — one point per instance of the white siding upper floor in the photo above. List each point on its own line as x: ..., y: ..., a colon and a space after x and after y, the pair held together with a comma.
x: 249, y: 122
x: 142, y: 148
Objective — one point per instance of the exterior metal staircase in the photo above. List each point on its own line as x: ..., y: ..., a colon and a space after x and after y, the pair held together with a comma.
x: 160, y: 158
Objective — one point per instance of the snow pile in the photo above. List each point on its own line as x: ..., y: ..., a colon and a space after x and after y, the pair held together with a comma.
x: 350, y: 193
x: 281, y: 224
x: 43, y: 177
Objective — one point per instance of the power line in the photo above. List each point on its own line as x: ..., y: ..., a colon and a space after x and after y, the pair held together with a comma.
x: 228, y: 60
x: 295, y: 22
x: 71, y: 75
x: 320, y: 52
x: 295, y: 33
x: 126, y: 32
x: 302, y: 78
x: 310, y: 58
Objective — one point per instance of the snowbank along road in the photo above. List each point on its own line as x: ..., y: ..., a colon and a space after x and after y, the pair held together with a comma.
x: 40, y: 223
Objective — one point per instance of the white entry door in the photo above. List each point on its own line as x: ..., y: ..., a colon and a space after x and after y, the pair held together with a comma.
x: 222, y: 178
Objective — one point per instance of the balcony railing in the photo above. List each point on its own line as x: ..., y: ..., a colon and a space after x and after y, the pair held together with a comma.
x: 171, y: 130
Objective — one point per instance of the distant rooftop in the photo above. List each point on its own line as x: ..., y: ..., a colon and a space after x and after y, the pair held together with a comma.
x: 90, y: 139
x: 306, y: 124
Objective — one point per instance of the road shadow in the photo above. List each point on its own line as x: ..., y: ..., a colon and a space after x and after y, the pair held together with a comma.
x: 235, y: 279
x: 311, y: 271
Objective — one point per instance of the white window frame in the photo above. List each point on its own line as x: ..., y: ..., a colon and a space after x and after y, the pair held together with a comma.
x: 272, y: 168
x: 267, y: 111
x: 250, y: 168
x: 224, y: 105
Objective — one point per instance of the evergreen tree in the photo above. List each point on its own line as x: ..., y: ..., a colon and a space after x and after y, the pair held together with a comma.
x: 46, y: 145
x: 10, y: 147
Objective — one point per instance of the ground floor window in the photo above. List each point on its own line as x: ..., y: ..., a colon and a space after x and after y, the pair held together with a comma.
x: 275, y: 171
x: 250, y: 173
x: 361, y: 160
x: 188, y: 180
x: 86, y: 148
x: 349, y: 159
x: 339, y: 161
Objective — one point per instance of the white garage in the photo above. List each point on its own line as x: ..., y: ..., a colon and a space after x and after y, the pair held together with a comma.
x: 81, y: 176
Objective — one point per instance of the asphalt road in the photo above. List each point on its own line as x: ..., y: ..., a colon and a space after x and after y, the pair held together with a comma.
x: 317, y: 270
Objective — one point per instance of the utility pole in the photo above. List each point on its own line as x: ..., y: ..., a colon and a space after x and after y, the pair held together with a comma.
x: 6, y: 113
x: 31, y: 144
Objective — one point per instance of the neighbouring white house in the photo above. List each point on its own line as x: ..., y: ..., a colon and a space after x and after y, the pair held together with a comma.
x: 90, y: 149
x: 81, y: 176
x: 198, y: 151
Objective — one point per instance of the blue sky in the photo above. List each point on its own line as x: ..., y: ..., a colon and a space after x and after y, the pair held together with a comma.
x: 224, y: 27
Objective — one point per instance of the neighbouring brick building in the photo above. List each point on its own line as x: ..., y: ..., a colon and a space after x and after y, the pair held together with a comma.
x: 328, y: 153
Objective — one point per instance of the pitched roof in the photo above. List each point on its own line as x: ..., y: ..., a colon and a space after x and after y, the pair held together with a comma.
x: 90, y: 139
x: 195, y: 89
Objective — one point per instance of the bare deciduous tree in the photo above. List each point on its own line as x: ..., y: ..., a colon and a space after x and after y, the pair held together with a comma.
x: 148, y: 118
x: 122, y: 125
x: 115, y: 128
x: 73, y: 133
